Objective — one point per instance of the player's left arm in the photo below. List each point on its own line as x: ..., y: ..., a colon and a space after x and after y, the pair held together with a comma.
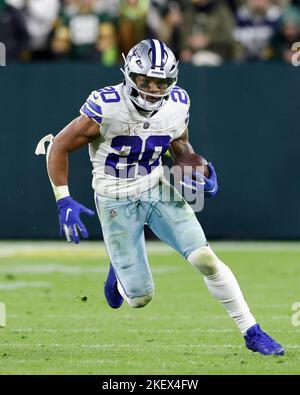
x: 181, y: 146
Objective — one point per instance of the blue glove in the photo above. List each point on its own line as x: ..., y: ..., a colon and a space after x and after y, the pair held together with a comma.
x: 69, y: 219
x: 209, y: 185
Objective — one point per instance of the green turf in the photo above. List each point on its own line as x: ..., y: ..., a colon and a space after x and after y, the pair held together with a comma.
x: 58, y: 321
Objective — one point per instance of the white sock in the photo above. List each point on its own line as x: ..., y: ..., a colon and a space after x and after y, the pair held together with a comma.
x: 139, y: 301
x: 122, y: 292
x: 224, y: 287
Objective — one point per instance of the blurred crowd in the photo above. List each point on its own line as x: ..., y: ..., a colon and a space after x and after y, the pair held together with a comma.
x: 202, y: 32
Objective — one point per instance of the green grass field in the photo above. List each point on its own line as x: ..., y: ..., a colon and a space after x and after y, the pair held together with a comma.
x: 59, y: 323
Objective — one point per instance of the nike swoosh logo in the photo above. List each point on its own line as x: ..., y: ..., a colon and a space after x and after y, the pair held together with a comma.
x: 212, y: 190
x: 69, y: 210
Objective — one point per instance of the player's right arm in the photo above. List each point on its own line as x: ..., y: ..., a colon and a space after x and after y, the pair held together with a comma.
x: 80, y: 132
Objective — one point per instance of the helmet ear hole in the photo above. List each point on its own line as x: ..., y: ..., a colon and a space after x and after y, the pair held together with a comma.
x: 134, y: 92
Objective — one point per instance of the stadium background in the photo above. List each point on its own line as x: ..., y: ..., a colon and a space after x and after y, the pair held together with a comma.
x: 243, y: 91
x: 236, y: 64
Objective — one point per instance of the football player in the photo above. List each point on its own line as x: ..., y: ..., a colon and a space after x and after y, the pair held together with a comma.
x: 128, y: 128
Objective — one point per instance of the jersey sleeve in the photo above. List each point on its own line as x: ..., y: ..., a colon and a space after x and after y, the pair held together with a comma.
x: 182, y: 126
x: 182, y: 100
x: 92, y: 108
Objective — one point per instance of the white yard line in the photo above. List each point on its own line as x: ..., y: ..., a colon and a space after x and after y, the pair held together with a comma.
x: 47, y: 268
x: 76, y: 363
x: 97, y: 248
x: 151, y: 317
x: 24, y: 284
x: 135, y: 346
x: 148, y: 331
x: 116, y: 346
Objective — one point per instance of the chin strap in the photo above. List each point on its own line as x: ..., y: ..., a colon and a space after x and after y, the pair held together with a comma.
x: 144, y: 112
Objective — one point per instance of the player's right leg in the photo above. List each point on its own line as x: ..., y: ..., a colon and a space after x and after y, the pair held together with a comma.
x: 223, y: 285
x: 122, y: 222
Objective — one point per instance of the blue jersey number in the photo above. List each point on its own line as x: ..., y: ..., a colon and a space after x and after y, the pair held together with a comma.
x: 109, y: 95
x: 180, y: 95
x: 123, y: 163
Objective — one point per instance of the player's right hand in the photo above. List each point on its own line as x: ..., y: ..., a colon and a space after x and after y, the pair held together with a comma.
x: 69, y: 219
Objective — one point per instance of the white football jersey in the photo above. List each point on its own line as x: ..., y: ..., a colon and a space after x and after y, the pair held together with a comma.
x: 126, y: 157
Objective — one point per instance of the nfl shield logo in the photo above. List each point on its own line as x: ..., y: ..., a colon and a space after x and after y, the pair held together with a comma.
x: 146, y: 125
x: 112, y: 213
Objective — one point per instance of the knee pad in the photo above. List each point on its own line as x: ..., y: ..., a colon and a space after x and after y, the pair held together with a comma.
x: 205, y: 260
x: 140, y: 301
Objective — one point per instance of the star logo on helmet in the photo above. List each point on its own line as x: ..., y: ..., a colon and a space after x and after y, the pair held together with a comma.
x: 134, y: 53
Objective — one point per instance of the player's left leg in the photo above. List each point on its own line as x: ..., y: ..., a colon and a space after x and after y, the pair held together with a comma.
x: 174, y: 222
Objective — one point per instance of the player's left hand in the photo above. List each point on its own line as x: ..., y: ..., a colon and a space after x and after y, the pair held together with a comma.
x: 69, y: 219
x: 209, y: 185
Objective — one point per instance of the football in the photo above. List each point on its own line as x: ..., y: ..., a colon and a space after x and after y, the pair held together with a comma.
x: 188, y: 163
